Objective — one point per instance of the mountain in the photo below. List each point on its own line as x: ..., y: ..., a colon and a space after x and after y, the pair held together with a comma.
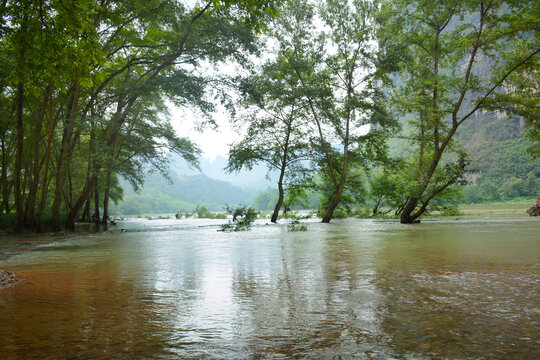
x: 502, y: 169
x: 252, y: 179
x: 182, y: 193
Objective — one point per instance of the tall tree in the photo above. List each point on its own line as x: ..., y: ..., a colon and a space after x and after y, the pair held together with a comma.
x: 87, y: 68
x: 276, y: 132
x: 277, y: 128
x: 441, y: 84
x: 339, y: 85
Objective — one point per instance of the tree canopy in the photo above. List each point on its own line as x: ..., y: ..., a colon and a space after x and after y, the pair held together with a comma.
x: 84, y: 88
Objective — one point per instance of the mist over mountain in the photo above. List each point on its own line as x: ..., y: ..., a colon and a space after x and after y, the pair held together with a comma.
x: 253, y: 179
x: 189, y: 187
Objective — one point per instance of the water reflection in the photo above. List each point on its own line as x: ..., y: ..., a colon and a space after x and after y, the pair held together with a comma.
x: 362, y: 289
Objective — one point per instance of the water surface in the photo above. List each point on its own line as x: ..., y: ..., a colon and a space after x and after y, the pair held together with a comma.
x: 352, y: 288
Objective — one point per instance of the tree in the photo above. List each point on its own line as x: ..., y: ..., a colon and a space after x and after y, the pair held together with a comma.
x: 276, y: 132
x: 339, y: 87
x: 84, y: 77
x: 440, y: 83
x: 383, y: 191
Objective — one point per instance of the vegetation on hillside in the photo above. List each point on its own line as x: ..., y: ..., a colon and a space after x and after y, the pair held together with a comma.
x: 181, y: 194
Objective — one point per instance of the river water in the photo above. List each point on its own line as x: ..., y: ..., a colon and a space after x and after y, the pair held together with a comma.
x: 363, y: 289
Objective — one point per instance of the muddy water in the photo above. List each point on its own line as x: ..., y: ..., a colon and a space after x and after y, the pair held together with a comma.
x: 355, y: 289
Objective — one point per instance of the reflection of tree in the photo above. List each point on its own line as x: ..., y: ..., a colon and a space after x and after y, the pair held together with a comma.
x: 351, y: 297
x: 314, y: 297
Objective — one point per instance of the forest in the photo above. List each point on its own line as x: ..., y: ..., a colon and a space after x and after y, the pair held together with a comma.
x: 356, y: 101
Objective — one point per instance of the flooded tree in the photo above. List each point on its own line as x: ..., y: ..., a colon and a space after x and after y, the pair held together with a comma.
x: 455, y: 57
x: 335, y: 73
x: 85, y: 78
x: 276, y: 134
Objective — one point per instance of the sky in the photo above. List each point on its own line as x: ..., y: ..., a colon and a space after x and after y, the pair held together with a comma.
x: 212, y: 142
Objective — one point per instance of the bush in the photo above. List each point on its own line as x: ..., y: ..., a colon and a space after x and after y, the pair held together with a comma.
x: 202, y: 212
x: 451, y: 211
x: 365, y: 213
x: 243, y: 218
x: 7, y: 221
x: 296, y: 226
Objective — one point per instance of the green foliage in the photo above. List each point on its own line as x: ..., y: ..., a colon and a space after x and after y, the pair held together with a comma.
x: 7, y: 221
x: 295, y: 225
x: 452, y: 210
x: 84, y: 88
x: 202, y: 213
x: 354, y: 191
x: 276, y: 123
x: 266, y: 200
x: 504, y: 173
x: 296, y: 197
x: 453, y: 60
x: 385, y: 191
x: 243, y: 218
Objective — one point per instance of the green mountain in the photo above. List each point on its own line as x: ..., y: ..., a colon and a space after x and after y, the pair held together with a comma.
x: 181, y: 193
x: 501, y: 168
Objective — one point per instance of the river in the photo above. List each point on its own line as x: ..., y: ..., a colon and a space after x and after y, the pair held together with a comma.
x: 363, y: 289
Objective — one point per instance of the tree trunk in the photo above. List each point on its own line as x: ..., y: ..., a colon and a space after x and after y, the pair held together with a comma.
x: 96, y: 202
x: 282, y: 172
x: 4, y: 179
x: 106, y: 198
x: 44, y: 183
x: 407, y: 216
x: 377, y: 205
x: 337, y: 197
x: 280, y: 199
x: 74, y: 213
x: 86, y: 212
x: 335, y: 201
x: 108, y: 142
x: 92, y: 150
x: 64, y: 158
x: 32, y: 195
x: 18, y: 160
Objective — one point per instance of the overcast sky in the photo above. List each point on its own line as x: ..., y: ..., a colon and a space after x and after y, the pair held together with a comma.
x: 212, y: 142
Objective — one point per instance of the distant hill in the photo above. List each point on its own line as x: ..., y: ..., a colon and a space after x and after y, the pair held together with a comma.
x: 501, y: 169
x: 160, y: 196
x: 254, y: 179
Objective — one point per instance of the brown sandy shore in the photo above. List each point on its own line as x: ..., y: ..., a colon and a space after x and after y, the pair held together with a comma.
x: 7, y: 278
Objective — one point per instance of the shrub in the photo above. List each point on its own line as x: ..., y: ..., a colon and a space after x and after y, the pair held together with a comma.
x: 202, y: 212
x: 452, y: 210
x: 296, y: 226
x: 243, y: 218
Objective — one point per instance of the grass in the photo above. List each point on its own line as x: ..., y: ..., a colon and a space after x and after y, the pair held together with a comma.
x: 499, y: 208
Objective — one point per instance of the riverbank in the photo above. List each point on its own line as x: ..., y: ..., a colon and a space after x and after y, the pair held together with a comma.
x: 502, y: 208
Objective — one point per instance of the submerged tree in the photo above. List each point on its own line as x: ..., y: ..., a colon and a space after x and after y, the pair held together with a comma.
x: 441, y: 83
x: 338, y: 87
x: 277, y: 128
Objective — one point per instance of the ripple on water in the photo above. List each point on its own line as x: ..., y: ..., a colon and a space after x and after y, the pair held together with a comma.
x: 354, y: 288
